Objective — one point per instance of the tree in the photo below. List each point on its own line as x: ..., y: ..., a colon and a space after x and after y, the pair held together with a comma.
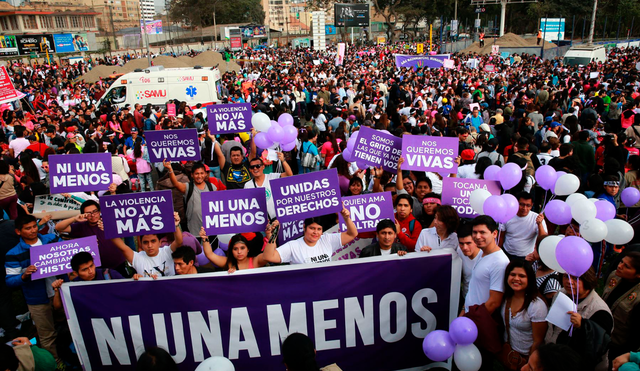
x: 199, y: 13
x: 388, y: 9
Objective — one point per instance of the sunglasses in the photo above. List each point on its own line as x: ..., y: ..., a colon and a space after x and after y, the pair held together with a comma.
x: 255, y: 166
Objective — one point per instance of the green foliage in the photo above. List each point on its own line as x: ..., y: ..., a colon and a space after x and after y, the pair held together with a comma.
x: 200, y: 12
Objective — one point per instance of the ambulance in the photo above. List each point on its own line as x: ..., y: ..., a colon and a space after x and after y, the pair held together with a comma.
x: 157, y: 85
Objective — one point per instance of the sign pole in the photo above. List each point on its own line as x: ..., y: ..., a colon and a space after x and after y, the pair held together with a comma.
x: 430, y: 36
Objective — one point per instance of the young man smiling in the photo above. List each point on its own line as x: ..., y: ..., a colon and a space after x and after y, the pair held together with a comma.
x: 262, y: 180
x: 386, y: 245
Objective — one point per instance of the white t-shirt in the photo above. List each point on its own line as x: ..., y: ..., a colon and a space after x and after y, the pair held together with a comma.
x: 467, y: 268
x: 520, y: 328
x: 521, y: 234
x: 468, y: 172
x: 436, y: 182
x: 271, y: 206
x: 160, y: 265
x: 18, y: 145
x: 320, y: 122
x: 298, y: 252
x: 487, y: 275
x: 429, y: 237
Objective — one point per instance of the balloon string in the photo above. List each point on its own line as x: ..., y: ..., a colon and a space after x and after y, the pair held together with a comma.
x: 574, y: 230
x: 573, y: 298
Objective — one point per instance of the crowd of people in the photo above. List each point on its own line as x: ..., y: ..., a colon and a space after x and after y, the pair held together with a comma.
x: 583, y: 120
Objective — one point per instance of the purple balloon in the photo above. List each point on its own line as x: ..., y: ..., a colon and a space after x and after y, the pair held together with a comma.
x: 361, y: 165
x: 276, y: 123
x: 630, y: 196
x: 606, y: 210
x: 546, y: 177
x: 275, y: 133
x: 351, y: 143
x: 495, y: 207
x: 463, y: 331
x: 290, y: 134
x: 512, y: 205
x: 202, y: 260
x: 438, y: 345
x: 491, y: 173
x: 558, y: 212
x: 347, y: 155
x: 285, y: 120
x: 289, y: 146
x: 574, y: 255
x: 262, y: 140
x: 510, y: 175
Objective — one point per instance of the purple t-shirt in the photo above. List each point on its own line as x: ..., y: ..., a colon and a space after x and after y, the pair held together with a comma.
x: 110, y: 255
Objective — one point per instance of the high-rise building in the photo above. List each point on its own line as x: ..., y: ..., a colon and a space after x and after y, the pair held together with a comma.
x: 147, y: 10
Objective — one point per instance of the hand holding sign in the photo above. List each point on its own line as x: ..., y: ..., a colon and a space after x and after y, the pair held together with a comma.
x: 27, y: 273
x: 176, y: 218
x: 345, y: 213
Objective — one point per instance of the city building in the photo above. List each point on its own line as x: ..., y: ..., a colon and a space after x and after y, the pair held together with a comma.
x: 147, y: 10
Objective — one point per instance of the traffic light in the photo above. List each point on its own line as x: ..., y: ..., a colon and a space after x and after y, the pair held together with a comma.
x: 44, y: 48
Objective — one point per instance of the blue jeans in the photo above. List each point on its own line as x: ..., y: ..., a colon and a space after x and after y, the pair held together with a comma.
x: 145, y: 179
x: 214, y: 171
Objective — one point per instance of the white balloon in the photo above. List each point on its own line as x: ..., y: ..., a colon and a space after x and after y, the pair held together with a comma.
x: 620, y: 232
x: 547, y: 251
x: 566, y: 185
x: 575, y: 198
x: 225, y: 238
x: 594, y: 200
x: 467, y: 357
x: 477, y: 199
x: 593, y: 230
x: 216, y: 364
x: 583, y: 210
x: 261, y: 122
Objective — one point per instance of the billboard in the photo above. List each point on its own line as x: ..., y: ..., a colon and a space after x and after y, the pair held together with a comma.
x: 31, y: 43
x: 249, y: 32
x: 8, y: 45
x: 152, y: 27
x: 329, y: 29
x: 69, y: 43
x: 352, y: 15
x: 552, y: 28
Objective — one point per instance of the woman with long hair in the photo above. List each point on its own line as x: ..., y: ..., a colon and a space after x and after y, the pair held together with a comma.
x: 330, y: 148
x: 143, y: 166
x: 308, y: 146
x: 443, y: 234
x: 344, y: 176
x: 523, y: 314
x: 237, y: 256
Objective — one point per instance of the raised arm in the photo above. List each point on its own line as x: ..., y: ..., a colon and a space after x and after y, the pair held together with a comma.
x: 220, y: 261
x: 65, y: 225
x: 377, y: 175
x: 285, y: 166
x: 126, y: 250
x: 351, y: 232
x: 270, y: 254
x: 182, y: 187
x: 177, y: 235
x: 399, y: 180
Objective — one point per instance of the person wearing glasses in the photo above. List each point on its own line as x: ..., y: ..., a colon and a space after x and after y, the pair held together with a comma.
x: 519, y: 236
x: 86, y: 224
x: 261, y: 180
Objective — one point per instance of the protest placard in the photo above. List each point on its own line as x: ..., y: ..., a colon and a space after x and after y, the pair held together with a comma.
x: 234, y: 211
x: 290, y: 231
x: 55, y: 258
x: 352, y: 249
x: 171, y: 110
x: 229, y: 118
x: 424, y: 153
x: 80, y: 172
x: 377, y: 148
x: 367, y: 210
x: 173, y: 145
x: 456, y: 192
x: 136, y: 214
x: 58, y: 206
x: 302, y: 196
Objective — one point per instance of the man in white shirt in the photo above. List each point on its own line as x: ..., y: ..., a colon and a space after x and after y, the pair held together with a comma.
x: 154, y: 260
x: 469, y: 252
x: 486, y: 286
x: 522, y: 232
x: 313, y: 247
x: 262, y: 180
x: 19, y: 144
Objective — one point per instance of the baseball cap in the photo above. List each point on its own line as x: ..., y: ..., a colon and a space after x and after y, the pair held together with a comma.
x: 468, y: 154
x: 134, y: 130
x: 555, y: 124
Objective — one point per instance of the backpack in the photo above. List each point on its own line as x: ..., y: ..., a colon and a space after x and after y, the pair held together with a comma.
x: 190, y: 191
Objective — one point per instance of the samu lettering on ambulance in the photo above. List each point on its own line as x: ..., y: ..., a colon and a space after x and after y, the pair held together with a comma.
x: 161, y: 93
x: 186, y: 78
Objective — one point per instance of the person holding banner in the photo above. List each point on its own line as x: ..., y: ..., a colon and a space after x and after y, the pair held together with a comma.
x: 314, y: 246
x: 154, y: 261
x: 386, y: 245
x: 237, y: 254
x: 443, y: 234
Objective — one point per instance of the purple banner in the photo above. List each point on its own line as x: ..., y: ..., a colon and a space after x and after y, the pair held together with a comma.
x: 136, y: 214
x: 425, y: 153
x: 421, y: 61
x: 377, y: 148
x: 351, y: 321
x: 367, y: 210
x: 173, y: 145
x: 290, y: 231
x: 302, y: 196
x: 457, y: 192
x: 55, y: 258
x: 234, y: 211
x: 229, y: 118
x: 80, y: 172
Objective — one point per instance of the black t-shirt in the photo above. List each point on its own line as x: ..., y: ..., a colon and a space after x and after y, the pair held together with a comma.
x: 235, y: 176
